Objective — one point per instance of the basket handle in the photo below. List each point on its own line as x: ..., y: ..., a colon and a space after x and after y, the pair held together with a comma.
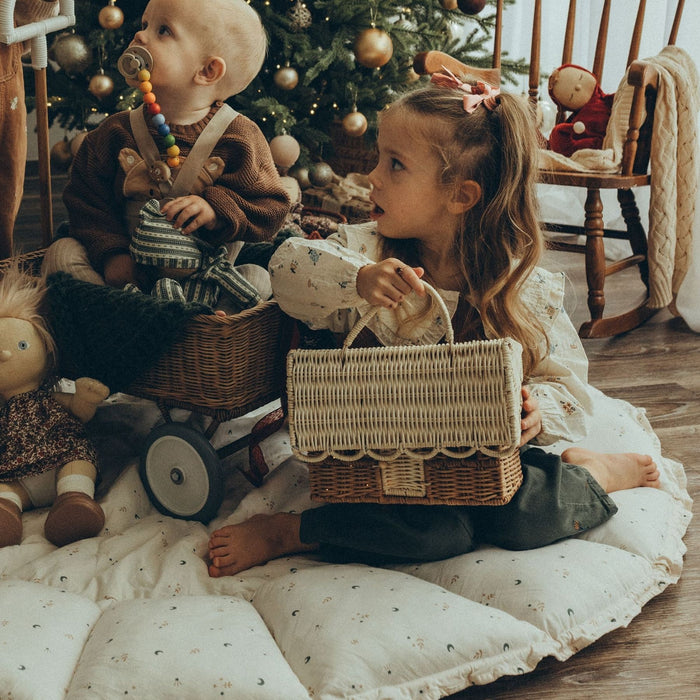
x: 364, y: 320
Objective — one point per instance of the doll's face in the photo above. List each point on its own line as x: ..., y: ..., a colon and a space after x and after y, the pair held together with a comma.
x: 22, y: 357
x: 571, y: 87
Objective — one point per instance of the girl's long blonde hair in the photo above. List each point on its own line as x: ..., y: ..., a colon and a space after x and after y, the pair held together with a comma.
x: 499, y: 240
x: 23, y: 296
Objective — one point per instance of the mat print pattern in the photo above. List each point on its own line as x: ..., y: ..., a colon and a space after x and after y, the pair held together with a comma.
x: 133, y: 613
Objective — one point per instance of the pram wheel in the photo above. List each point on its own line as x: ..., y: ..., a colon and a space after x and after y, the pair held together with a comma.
x: 181, y: 473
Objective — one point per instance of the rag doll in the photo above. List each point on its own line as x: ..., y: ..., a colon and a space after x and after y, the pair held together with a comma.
x: 45, y: 455
x: 576, y: 90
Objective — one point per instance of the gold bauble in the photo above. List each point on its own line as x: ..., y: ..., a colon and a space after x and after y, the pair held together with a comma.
x: 449, y: 4
x: 60, y: 155
x: 110, y: 17
x: 373, y: 48
x: 355, y: 123
x: 285, y: 150
x: 101, y: 85
x: 71, y: 52
x: 286, y: 78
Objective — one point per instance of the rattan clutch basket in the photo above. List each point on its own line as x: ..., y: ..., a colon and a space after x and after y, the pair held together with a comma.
x: 427, y: 424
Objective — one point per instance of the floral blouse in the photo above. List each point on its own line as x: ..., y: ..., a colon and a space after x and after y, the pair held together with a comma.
x: 315, y: 282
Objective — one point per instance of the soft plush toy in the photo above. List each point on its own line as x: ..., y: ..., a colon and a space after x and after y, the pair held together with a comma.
x: 185, y: 268
x: 576, y: 90
x: 45, y: 455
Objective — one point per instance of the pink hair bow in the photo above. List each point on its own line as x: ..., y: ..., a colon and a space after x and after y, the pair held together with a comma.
x: 476, y: 94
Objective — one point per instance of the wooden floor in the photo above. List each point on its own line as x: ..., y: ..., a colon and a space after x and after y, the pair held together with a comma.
x: 657, y: 367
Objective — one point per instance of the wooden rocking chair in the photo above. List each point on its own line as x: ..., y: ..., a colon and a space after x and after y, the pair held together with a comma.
x: 634, y: 170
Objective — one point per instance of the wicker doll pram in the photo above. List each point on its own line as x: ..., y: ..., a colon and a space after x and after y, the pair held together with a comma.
x: 430, y: 424
x: 223, y: 367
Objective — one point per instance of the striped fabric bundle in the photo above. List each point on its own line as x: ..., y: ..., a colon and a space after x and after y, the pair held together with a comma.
x: 157, y: 243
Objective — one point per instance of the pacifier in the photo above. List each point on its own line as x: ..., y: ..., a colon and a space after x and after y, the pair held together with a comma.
x: 133, y: 60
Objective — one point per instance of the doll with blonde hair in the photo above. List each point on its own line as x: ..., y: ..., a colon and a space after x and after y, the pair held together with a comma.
x: 45, y: 455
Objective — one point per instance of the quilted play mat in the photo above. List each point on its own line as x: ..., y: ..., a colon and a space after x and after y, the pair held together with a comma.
x: 133, y: 613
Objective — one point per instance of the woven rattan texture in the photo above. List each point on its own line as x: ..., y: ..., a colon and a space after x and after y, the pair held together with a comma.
x: 221, y: 366
x: 476, y: 480
x: 416, y: 400
x: 27, y: 262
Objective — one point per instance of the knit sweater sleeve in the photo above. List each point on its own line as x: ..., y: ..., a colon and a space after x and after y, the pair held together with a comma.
x: 93, y: 195
x: 249, y: 196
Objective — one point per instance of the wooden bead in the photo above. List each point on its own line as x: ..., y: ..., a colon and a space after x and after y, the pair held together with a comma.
x: 158, y: 120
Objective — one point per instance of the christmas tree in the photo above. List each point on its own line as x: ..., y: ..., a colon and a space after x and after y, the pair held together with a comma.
x: 331, y: 65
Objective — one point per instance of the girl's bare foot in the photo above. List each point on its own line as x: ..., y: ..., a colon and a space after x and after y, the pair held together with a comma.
x: 615, y: 471
x: 234, y: 548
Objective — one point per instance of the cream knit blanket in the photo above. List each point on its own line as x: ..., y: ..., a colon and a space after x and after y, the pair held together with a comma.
x: 674, y: 167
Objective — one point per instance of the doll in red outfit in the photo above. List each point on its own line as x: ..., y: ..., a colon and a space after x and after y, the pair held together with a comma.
x: 576, y: 90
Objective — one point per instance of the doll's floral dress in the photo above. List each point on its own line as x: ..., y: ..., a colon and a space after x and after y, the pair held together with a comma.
x: 38, y: 434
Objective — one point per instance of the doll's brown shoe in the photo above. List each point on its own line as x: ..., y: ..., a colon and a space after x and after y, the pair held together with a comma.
x: 73, y: 516
x: 10, y: 523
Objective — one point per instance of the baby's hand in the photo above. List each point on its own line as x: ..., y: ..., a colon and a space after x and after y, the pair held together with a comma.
x: 189, y: 213
x: 386, y: 283
x: 531, y: 422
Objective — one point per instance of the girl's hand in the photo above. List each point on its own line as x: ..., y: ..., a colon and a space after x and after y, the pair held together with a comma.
x: 531, y: 422
x: 189, y: 213
x: 386, y: 283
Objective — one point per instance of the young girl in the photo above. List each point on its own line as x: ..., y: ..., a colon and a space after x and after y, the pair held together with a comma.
x: 454, y: 204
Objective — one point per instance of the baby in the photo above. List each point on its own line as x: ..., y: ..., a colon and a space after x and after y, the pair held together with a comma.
x: 197, y: 56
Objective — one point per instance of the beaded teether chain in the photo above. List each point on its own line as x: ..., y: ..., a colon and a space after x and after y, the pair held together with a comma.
x: 157, y: 119
x: 134, y: 64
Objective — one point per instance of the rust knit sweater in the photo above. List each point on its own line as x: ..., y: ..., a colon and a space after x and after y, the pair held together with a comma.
x: 248, y: 196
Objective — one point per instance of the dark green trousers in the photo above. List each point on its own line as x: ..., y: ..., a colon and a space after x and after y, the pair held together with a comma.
x: 556, y: 500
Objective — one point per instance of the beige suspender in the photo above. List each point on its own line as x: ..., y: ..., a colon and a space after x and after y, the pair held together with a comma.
x: 186, y: 174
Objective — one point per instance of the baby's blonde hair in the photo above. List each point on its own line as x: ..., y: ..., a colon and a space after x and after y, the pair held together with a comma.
x: 239, y: 37
x: 499, y: 240
x: 23, y: 296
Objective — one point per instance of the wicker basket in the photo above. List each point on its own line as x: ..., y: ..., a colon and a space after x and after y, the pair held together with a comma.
x: 431, y: 424
x: 27, y: 262
x: 221, y: 366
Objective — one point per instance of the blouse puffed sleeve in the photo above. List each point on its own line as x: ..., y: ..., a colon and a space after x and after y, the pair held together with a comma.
x: 315, y: 281
x: 560, y: 381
